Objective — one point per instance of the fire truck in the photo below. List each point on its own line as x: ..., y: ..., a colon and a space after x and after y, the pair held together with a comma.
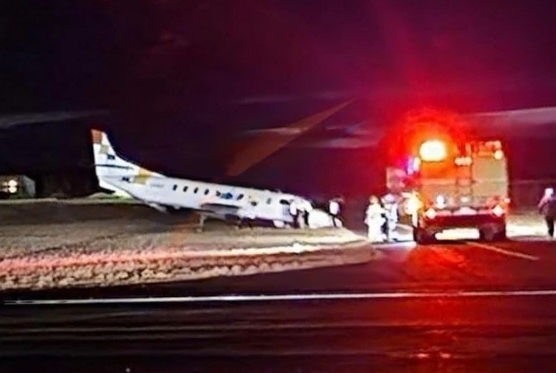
x: 448, y: 184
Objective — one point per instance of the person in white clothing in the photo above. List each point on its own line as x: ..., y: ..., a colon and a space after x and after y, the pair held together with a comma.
x: 547, y: 207
x: 334, y: 210
x: 390, y: 203
x: 374, y: 219
x: 306, y: 207
x: 301, y: 212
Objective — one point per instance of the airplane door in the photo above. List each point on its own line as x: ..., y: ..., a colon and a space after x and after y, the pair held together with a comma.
x: 284, y: 212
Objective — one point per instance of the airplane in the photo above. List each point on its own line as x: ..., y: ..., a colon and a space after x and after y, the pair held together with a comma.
x: 308, y: 132
x: 522, y: 123
x: 125, y: 179
x: 209, y: 200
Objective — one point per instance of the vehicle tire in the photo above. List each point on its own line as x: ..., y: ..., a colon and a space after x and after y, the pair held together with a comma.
x: 501, y: 234
x: 421, y: 237
x: 487, y: 234
x: 490, y: 234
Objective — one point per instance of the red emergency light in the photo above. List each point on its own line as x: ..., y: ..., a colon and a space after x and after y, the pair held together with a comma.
x: 420, y: 133
x: 433, y: 151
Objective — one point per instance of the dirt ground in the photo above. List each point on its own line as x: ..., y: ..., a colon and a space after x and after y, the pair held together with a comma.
x: 46, y: 244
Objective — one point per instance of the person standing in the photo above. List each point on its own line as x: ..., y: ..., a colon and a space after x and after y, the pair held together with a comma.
x: 547, y: 208
x: 334, y: 210
x: 374, y: 220
x: 294, y: 212
x: 301, y: 211
x: 390, y: 204
x: 307, y: 208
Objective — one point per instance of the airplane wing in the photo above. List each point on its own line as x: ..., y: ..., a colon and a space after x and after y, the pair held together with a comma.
x: 530, y: 122
x: 265, y: 144
x: 10, y: 120
x: 286, y: 131
x: 342, y: 143
x: 281, y: 131
x: 511, y: 123
x: 534, y: 117
x: 260, y: 147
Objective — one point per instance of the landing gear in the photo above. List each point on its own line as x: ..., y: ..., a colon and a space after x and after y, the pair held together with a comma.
x: 202, y: 219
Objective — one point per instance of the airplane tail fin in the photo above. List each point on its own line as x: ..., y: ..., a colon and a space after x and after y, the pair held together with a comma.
x: 109, y: 166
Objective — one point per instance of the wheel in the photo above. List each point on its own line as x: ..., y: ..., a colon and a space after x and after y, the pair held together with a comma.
x: 421, y: 236
x: 492, y: 234
x: 487, y: 234
x: 501, y: 234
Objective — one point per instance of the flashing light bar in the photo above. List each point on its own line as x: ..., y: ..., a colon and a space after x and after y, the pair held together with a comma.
x: 433, y: 151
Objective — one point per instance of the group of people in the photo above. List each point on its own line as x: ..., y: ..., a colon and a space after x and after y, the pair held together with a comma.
x: 382, y: 217
x: 300, y: 210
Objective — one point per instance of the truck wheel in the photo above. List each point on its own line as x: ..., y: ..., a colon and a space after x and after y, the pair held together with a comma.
x: 501, y: 234
x: 421, y: 236
x: 487, y: 234
x: 491, y: 234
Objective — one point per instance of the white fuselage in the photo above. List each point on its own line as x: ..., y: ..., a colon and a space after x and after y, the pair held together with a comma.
x: 215, y: 200
x: 209, y: 199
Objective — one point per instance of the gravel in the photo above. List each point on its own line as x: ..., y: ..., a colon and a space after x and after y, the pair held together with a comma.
x: 67, y: 244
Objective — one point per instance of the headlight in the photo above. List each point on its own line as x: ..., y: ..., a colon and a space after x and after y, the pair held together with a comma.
x: 498, y: 211
x: 430, y: 213
x: 440, y: 202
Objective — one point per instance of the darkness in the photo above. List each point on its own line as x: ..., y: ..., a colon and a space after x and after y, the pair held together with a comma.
x: 183, y: 78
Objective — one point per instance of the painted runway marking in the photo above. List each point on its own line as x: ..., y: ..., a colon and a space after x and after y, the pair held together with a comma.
x: 286, y: 297
x: 502, y: 251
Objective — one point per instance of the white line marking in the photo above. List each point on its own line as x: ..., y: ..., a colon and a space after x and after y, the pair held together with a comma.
x: 502, y: 251
x: 286, y: 297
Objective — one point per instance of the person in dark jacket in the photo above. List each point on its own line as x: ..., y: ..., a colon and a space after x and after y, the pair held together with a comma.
x: 547, y: 208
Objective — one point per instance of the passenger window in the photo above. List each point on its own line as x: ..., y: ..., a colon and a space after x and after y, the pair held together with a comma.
x: 195, y: 190
x: 175, y: 187
x: 269, y: 201
x: 110, y: 157
x: 185, y: 188
x: 240, y: 197
x: 206, y: 192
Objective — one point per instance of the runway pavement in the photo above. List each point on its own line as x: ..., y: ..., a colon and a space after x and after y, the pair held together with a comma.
x: 453, y: 306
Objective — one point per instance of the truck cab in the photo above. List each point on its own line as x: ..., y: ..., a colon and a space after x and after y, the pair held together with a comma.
x: 447, y: 186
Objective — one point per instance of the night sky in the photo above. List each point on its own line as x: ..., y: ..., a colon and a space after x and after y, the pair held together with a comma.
x: 184, y: 77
